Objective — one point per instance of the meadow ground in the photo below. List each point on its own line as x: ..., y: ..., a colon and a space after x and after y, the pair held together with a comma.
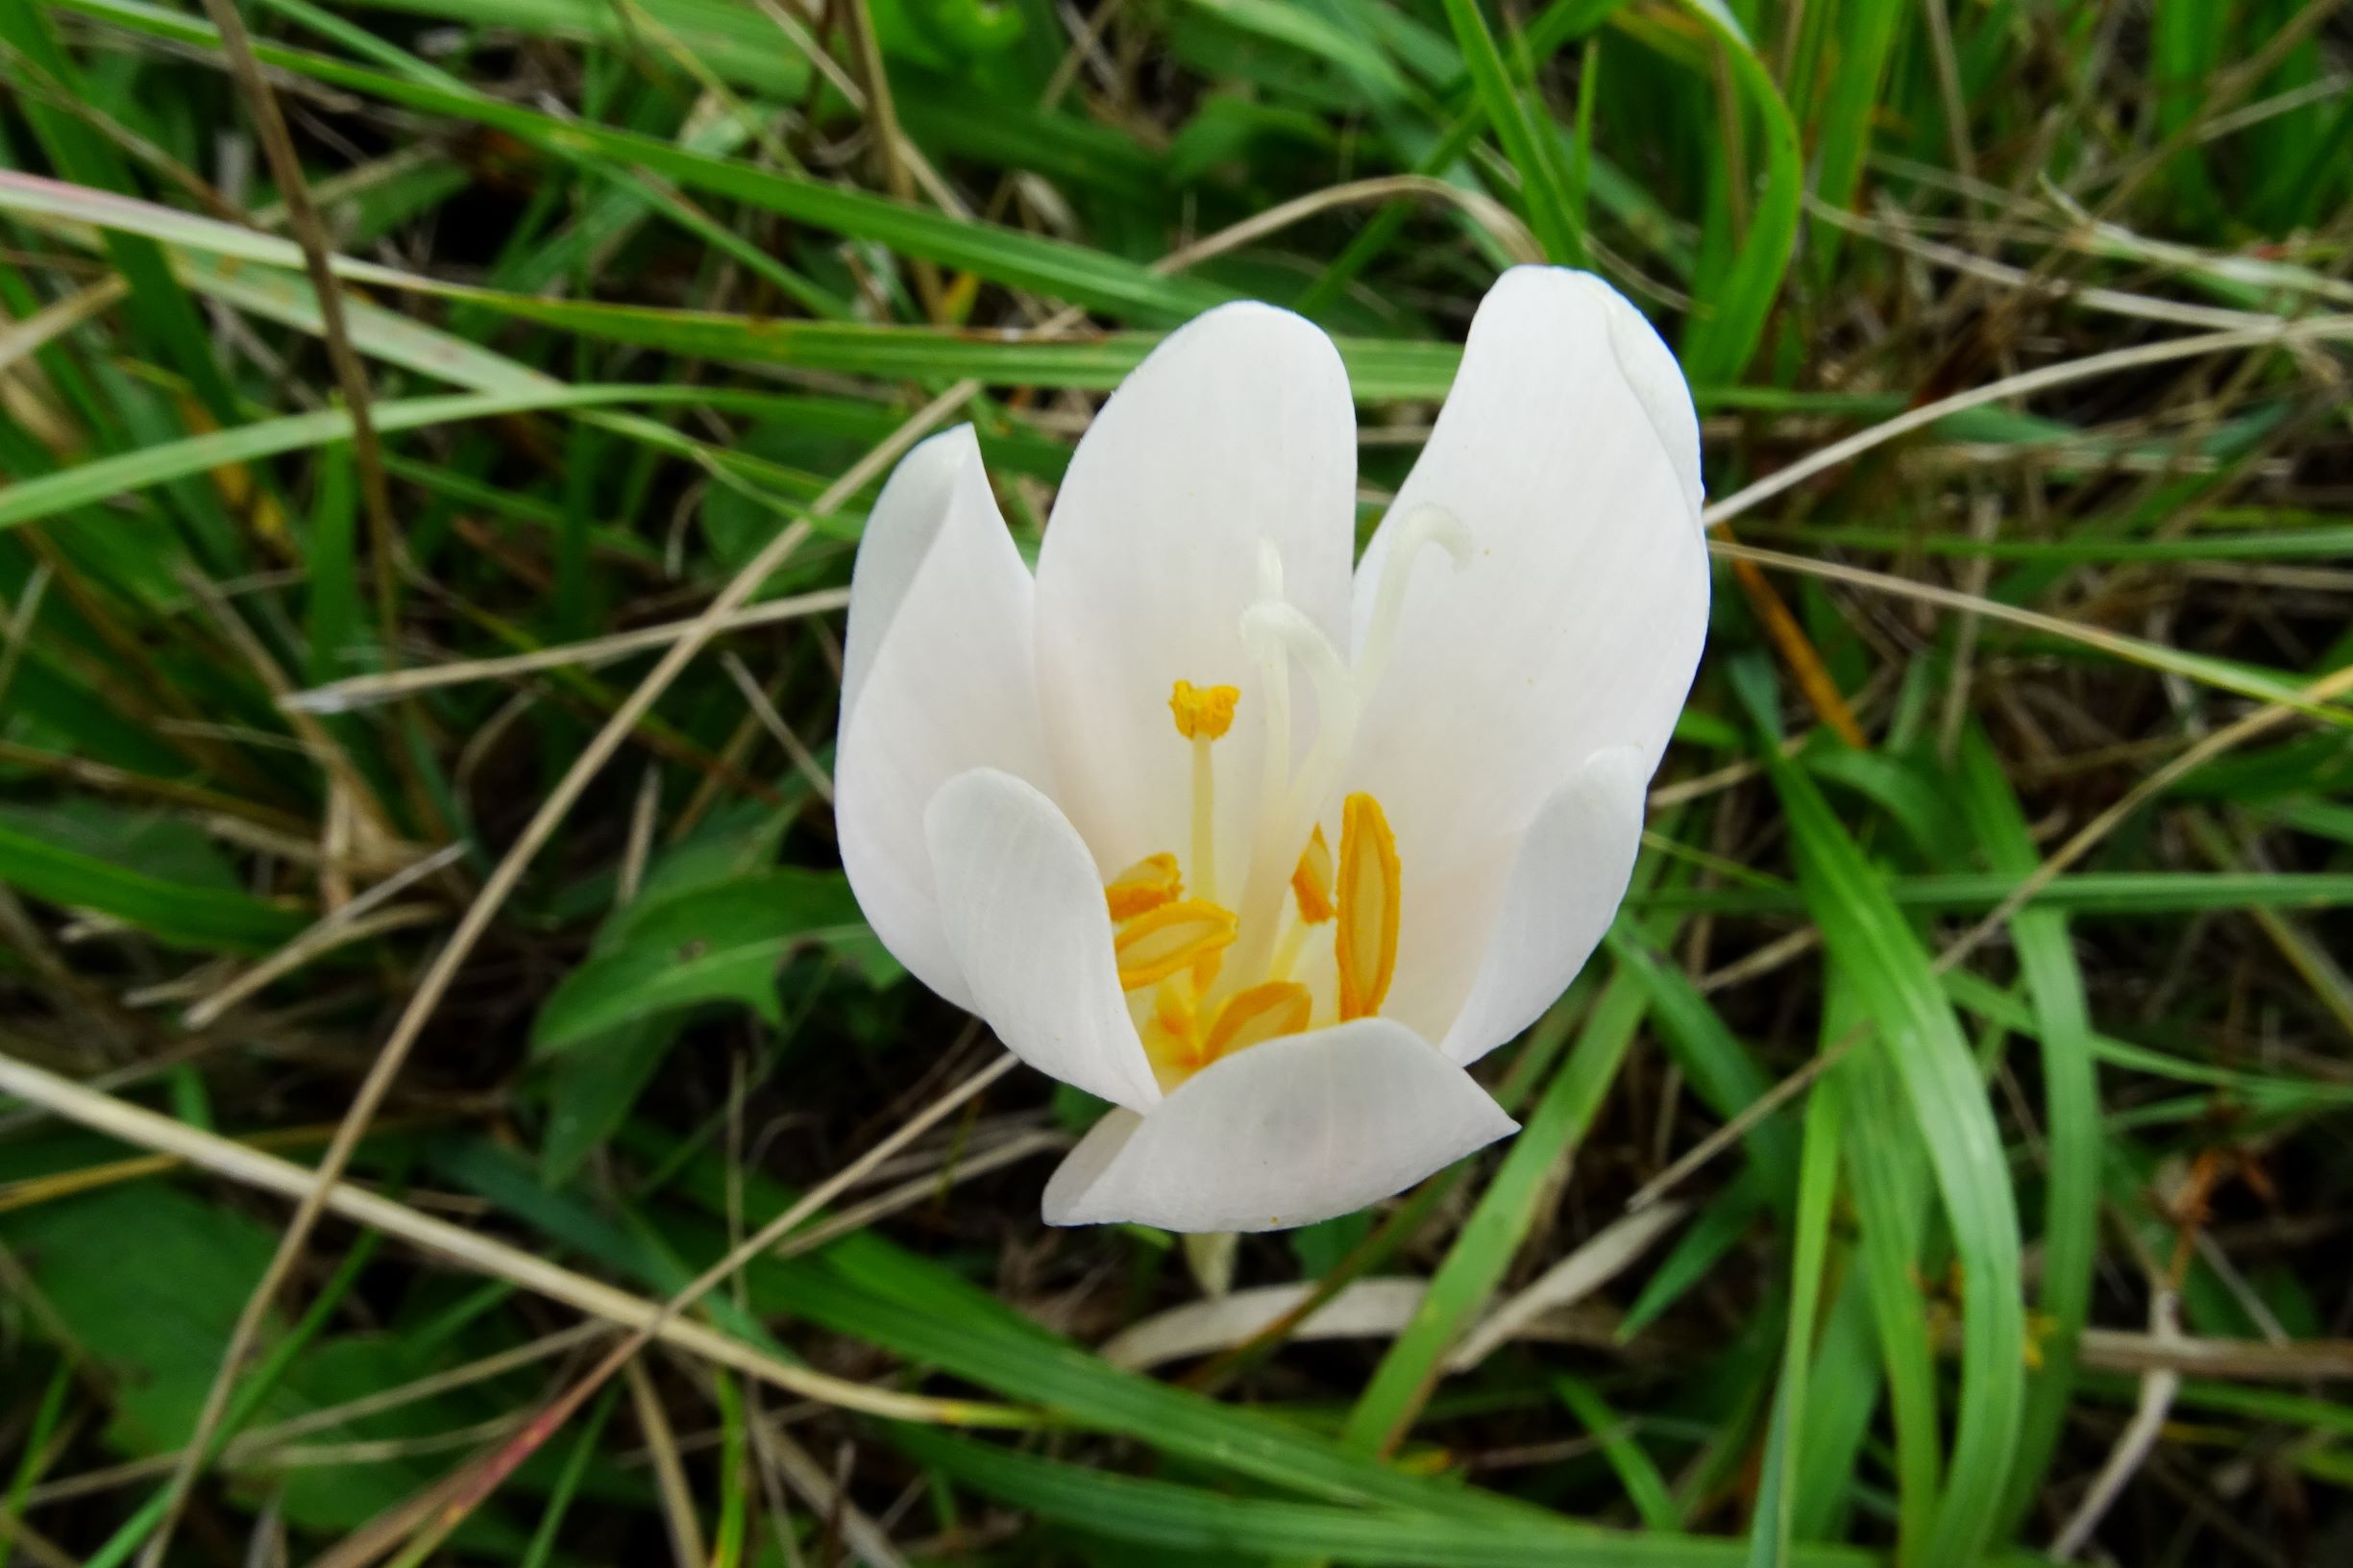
x: 1943, y: 1162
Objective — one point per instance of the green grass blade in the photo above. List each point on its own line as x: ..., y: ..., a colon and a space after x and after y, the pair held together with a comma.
x: 1720, y: 340
x: 1768, y: 1541
x: 1056, y: 268
x: 1645, y: 1487
x: 1180, y: 1518
x: 1868, y: 937
x: 1541, y: 191
x: 208, y: 918
x: 1385, y: 1412
x: 130, y: 472
x: 2072, y: 1138
x: 1891, y: 1194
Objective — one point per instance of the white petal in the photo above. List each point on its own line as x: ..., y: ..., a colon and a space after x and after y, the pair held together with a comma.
x: 1024, y: 915
x: 937, y: 678
x: 1657, y: 381
x: 1564, y: 888
x: 1237, y: 431
x: 899, y: 532
x: 1287, y: 1133
x: 1568, y: 449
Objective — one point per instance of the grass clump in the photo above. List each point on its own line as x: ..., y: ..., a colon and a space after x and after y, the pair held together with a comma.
x: 1949, y: 1138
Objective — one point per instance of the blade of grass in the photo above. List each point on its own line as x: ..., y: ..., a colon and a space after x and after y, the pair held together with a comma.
x: 1055, y: 268
x: 1869, y: 937
x: 33, y: 500
x: 1398, y: 1389
x: 1645, y: 1487
x: 208, y: 918
x: 1891, y: 1196
x: 2072, y: 1140
x: 1721, y: 339
x: 1174, y: 1517
x: 1542, y: 193
x: 1768, y: 1541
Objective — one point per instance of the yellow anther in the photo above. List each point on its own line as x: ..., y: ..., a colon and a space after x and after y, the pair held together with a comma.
x: 1168, y: 940
x: 1172, y: 1007
x: 1252, y: 1017
x: 1368, y: 904
x: 1206, y: 712
x: 1312, y: 880
x: 1172, y: 1032
x: 1147, y: 885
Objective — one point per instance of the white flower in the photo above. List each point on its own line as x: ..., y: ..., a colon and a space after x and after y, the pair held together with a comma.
x: 1261, y: 849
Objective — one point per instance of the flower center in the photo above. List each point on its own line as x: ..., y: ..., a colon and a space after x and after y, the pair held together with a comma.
x: 1172, y: 944
x: 1207, y: 977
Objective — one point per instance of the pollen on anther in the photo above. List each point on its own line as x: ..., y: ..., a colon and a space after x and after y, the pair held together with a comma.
x: 1166, y: 941
x: 1151, y: 882
x: 1251, y: 1018
x: 1206, y: 712
x: 1312, y: 880
x: 1369, y: 906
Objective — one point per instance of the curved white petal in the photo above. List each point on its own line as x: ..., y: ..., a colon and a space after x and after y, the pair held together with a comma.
x: 1287, y: 1133
x: 1658, y: 382
x: 1568, y: 450
x: 1566, y: 886
x: 1237, y: 431
x: 937, y: 678
x: 1024, y: 915
x: 899, y: 532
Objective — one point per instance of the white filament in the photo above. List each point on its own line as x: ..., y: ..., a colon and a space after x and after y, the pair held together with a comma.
x: 1278, y: 634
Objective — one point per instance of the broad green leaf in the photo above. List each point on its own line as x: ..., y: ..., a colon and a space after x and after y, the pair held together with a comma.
x: 722, y: 942
x: 593, y: 1086
x: 168, y: 848
x: 202, y: 914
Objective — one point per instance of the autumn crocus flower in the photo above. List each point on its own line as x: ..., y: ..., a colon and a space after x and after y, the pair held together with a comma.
x: 1263, y: 849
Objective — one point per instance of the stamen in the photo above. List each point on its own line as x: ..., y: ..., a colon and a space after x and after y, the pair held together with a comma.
x: 1205, y: 818
x: 1169, y: 939
x: 1312, y: 880
x: 1369, y: 886
x: 1173, y: 1032
x: 1206, y: 967
x: 1254, y: 1017
x: 1172, y: 1006
x: 1276, y: 633
x: 1151, y: 882
x: 1204, y: 714
x: 1287, y: 951
x: 1424, y: 525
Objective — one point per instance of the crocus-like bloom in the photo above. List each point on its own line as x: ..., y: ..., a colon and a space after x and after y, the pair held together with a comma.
x: 1263, y: 850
